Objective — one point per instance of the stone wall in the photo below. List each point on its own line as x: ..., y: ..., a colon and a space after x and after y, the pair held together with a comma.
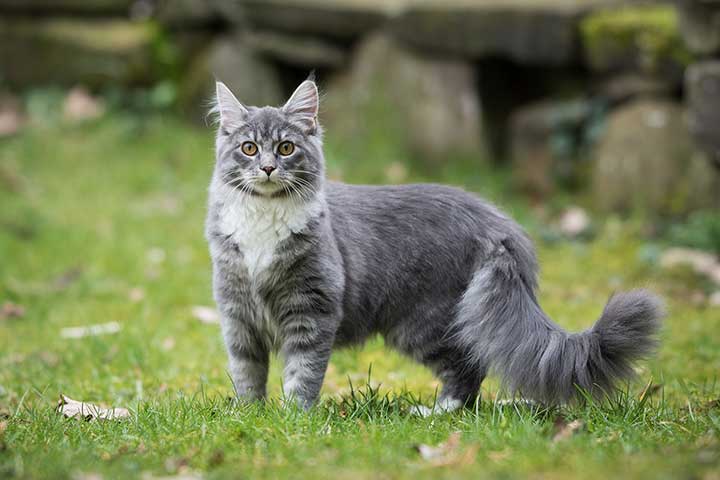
x: 571, y: 93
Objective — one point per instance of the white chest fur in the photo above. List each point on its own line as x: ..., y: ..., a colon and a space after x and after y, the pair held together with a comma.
x: 258, y: 224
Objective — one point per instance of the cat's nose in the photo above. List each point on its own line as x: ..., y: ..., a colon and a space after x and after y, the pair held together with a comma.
x: 269, y: 169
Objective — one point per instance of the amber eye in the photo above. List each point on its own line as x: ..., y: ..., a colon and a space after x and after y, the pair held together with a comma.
x: 249, y: 148
x: 286, y: 148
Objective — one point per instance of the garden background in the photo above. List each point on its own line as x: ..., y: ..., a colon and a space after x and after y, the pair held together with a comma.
x: 595, y: 123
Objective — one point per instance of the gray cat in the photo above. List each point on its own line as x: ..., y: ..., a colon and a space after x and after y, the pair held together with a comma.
x: 302, y: 265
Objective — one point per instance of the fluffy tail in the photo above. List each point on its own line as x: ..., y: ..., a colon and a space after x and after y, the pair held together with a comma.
x: 501, y: 323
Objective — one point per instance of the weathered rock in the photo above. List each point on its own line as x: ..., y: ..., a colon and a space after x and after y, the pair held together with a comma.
x: 80, y: 105
x: 700, y: 25
x: 343, y: 19
x: 46, y: 7
x: 547, y: 140
x: 427, y: 106
x: 629, y: 85
x: 69, y: 51
x: 526, y: 31
x: 253, y: 79
x: 702, y: 87
x: 642, y: 38
x: 506, y: 87
x: 646, y: 160
x: 297, y: 50
x: 186, y: 13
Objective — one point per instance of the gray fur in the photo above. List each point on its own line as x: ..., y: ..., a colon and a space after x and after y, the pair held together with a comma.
x: 444, y: 276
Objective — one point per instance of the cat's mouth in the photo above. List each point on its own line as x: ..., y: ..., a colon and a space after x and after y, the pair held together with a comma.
x: 270, y: 187
x: 267, y: 186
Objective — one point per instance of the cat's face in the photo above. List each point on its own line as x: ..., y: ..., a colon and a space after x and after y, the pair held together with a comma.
x: 268, y: 151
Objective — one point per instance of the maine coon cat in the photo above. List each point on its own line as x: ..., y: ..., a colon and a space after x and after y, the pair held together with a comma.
x: 302, y: 265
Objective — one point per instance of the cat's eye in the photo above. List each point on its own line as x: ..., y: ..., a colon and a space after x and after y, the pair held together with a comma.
x: 286, y: 148
x: 249, y: 148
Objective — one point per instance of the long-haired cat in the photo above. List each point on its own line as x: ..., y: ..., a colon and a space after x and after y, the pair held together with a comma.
x: 302, y: 265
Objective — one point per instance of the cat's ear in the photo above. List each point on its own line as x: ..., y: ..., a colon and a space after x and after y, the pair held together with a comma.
x: 231, y: 112
x: 304, y: 104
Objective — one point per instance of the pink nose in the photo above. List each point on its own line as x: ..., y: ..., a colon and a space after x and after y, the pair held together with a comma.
x: 269, y: 169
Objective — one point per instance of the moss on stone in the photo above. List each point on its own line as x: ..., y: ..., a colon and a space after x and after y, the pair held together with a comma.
x: 637, y: 36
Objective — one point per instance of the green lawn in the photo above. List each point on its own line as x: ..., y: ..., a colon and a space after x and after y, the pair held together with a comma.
x: 103, y: 223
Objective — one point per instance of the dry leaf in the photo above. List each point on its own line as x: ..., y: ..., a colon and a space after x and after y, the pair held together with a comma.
x: 702, y: 263
x: 136, y: 294
x: 448, y: 452
x: 74, y: 409
x: 205, y: 314
x: 81, y: 105
x: 574, y: 222
x: 10, y: 122
x: 428, y: 452
x: 11, y: 117
x: 11, y: 310
x: 168, y: 344
x: 651, y: 389
x: 565, y: 430
x: 90, y: 330
x: 3, y: 427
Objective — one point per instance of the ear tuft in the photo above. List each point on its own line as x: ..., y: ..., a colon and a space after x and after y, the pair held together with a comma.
x: 304, y: 104
x: 232, y: 113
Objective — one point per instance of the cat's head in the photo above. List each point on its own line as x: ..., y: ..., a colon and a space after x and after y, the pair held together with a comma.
x: 272, y: 152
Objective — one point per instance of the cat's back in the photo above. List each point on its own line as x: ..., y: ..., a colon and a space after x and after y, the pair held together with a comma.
x: 413, y: 205
x: 421, y: 226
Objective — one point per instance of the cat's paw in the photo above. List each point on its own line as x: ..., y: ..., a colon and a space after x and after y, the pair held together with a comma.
x: 442, y: 406
x: 421, y: 411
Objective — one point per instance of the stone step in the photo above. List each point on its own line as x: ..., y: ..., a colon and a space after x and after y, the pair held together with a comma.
x: 67, y: 51
x: 343, y: 19
x: 527, y: 31
x: 47, y: 7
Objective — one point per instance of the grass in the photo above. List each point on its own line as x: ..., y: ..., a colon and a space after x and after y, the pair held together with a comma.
x: 103, y: 222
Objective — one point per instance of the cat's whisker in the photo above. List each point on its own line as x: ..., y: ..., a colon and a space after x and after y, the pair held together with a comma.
x: 305, y: 172
x: 296, y: 195
x: 240, y: 185
x: 304, y: 183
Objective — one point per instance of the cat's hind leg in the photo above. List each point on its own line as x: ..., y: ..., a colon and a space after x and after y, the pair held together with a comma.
x: 460, y: 381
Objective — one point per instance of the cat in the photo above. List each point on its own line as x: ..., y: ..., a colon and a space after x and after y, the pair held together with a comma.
x: 302, y: 265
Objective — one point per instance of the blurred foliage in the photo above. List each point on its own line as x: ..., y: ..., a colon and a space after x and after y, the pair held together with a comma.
x: 651, y: 31
x: 701, y: 230
x: 86, y: 209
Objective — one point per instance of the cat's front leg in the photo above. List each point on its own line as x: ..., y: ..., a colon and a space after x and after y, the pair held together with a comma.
x: 306, y: 347
x: 248, y: 359
x: 248, y: 350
